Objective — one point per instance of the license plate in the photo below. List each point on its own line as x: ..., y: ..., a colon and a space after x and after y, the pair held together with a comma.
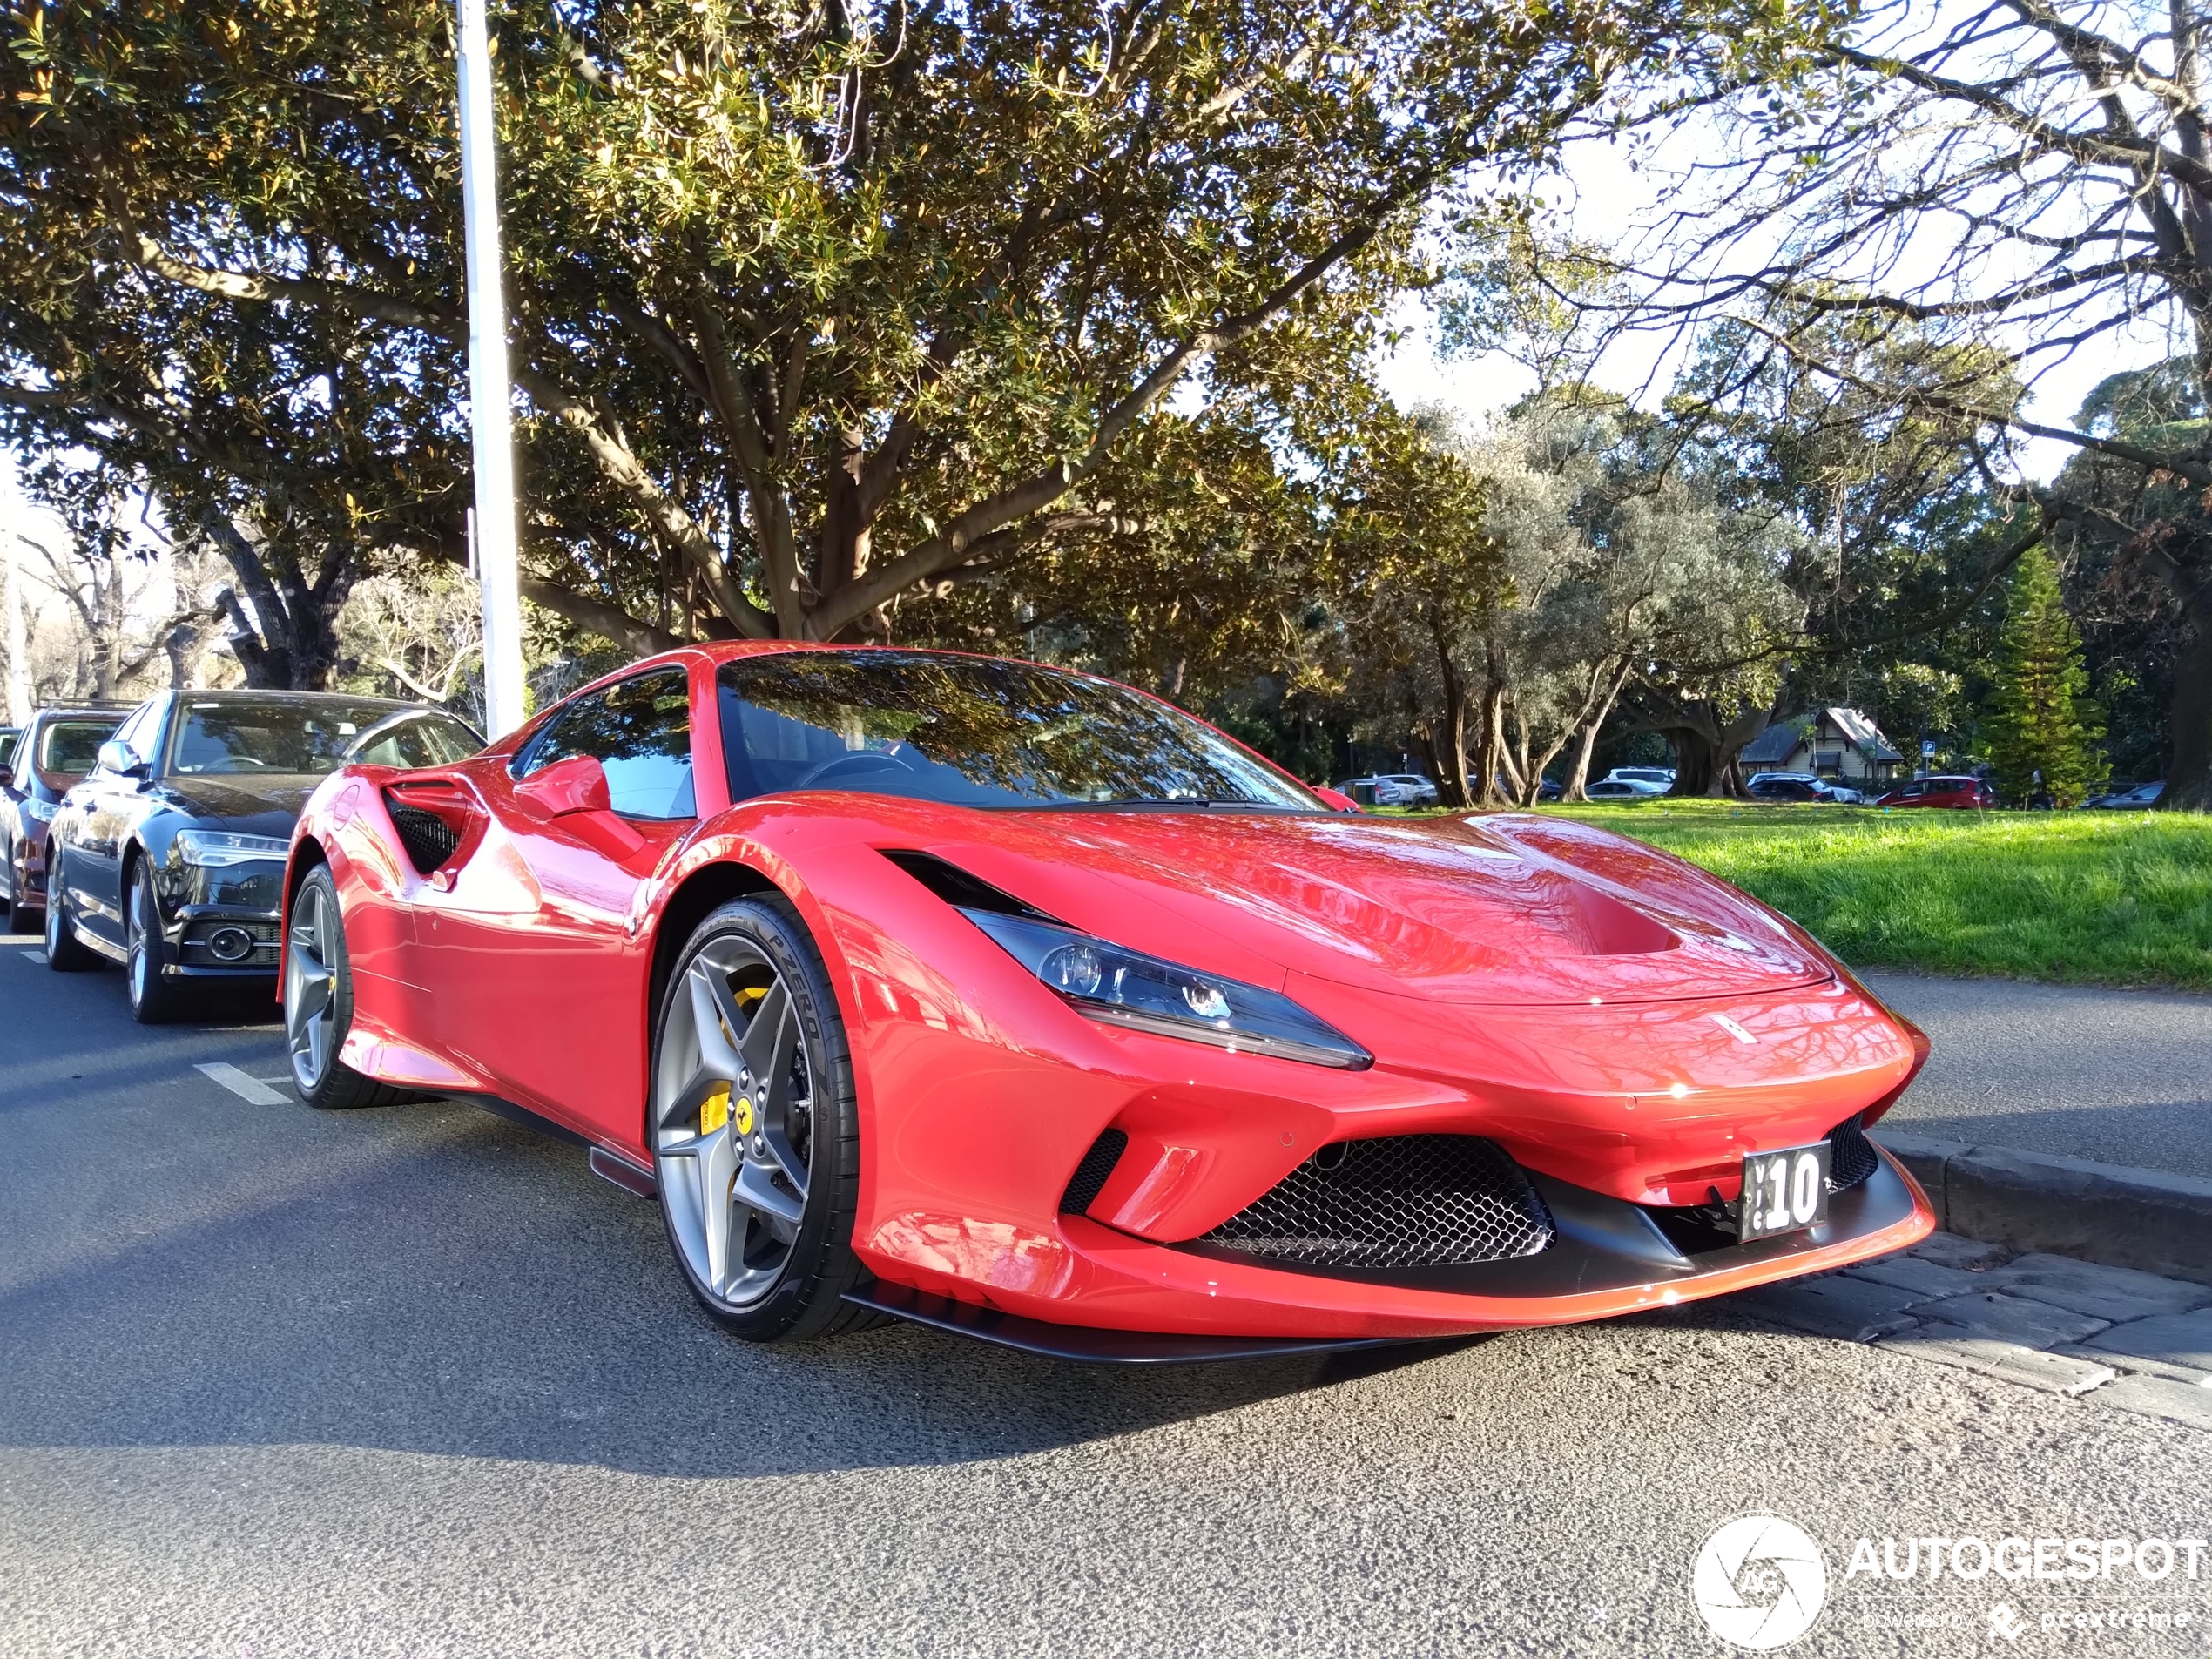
x: 1784, y: 1192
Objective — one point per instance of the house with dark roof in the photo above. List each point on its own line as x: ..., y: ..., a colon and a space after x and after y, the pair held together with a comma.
x: 1840, y: 743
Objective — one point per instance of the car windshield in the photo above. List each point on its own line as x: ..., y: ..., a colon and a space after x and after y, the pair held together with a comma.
x: 71, y: 748
x: 416, y: 738
x: 975, y: 731
x: 238, y: 736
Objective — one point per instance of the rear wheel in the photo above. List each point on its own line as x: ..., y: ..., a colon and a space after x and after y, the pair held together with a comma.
x: 755, y: 1136
x: 64, y: 953
x: 319, y: 1002
x: 155, y: 1000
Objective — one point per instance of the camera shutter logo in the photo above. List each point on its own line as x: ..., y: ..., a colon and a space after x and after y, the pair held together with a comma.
x: 1759, y: 1582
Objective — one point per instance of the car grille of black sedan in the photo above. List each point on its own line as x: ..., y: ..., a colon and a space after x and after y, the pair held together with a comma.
x: 1852, y: 1156
x: 1404, y: 1201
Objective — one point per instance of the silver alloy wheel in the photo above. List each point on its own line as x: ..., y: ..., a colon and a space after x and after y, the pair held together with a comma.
x: 310, y: 999
x: 139, y: 954
x: 56, y: 920
x: 734, y: 1122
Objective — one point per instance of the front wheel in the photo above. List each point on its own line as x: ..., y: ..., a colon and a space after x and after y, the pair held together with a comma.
x: 755, y: 1136
x: 65, y: 953
x: 319, y: 1002
x: 155, y: 1000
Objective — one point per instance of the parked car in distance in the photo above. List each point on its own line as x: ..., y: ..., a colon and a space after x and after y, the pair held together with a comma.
x: 10, y: 738
x: 1662, y: 779
x: 1390, y: 789
x: 1621, y: 789
x: 1768, y: 786
x: 169, y: 857
x: 1940, y: 791
x: 2135, y: 798
x: 54, y: 752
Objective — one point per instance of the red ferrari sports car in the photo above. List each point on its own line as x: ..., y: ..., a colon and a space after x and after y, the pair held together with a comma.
x: 1019, y: 1002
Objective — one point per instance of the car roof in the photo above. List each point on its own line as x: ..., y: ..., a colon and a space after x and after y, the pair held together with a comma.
x: 248, y: 695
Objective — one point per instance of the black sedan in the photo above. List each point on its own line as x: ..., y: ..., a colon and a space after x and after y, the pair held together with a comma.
x: 169, y: 858
x: 58, y: 750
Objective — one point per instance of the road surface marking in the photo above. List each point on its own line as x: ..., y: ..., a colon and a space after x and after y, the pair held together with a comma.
x: 38, y: 956
x: 253, y: 1090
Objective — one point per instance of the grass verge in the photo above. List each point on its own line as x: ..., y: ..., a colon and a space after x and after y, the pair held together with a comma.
x: 2106, y: 898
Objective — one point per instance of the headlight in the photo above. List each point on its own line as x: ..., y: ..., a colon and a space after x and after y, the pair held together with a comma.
x: 44, y: 811
x: 1125, y: 988
x: 211, y: 849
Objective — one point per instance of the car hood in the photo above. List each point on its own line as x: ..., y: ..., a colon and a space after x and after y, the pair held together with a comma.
x: 1505, y: 909
x: 260, y: 805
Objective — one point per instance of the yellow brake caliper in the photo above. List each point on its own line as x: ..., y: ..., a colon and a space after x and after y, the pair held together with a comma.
x: 714, y: 1110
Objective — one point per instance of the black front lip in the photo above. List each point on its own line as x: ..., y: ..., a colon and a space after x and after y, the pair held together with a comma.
x: 1092, y: 1343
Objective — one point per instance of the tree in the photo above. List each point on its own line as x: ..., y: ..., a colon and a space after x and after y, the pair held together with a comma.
x: 1414, y: 576
x: 2043, y: 729
x: 137, y: 606
x: 2030, y: 180
x: 814, y: 309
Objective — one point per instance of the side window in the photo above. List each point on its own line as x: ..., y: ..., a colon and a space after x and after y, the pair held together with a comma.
x: 640, y: 731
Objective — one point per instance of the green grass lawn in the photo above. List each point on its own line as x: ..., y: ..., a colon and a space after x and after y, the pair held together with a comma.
x: 2111, y: 898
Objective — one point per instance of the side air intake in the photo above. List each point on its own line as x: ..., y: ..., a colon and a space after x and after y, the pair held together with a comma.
x: 1852, y: 1156
x: 955, y: 887
x: 1090, y: 1177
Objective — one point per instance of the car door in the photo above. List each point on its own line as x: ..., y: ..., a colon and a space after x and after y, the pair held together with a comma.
x: 535, y: 947
x: 109, y: 804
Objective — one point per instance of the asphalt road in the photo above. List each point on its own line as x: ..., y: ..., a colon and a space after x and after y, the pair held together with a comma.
x: 411, y: 1381
x: 2120, y: 1076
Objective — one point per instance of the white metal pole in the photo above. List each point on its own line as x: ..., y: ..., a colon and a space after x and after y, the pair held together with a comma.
x: 18, y: 657
x: 18, y: 652
x: 490, y: 424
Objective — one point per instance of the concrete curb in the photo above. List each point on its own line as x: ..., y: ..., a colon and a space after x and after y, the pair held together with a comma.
x: 2031, y: 1201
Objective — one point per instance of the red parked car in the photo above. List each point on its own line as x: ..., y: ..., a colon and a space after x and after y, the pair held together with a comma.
x: 1020, y: 1002
x: 1940, y: 791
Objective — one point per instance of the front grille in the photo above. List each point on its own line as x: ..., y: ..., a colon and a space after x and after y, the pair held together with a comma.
x: 1090, y: 1178
x: 1852, y: 1156
x: 196, y: 953
x: 1406, y: 1201
x: 428, y: 839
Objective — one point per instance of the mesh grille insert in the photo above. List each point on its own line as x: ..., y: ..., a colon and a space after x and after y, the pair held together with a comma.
x: 1091, y: 1175
x: 428, y: 839
x: 1405, y: 1201
x: 1851, y: 1157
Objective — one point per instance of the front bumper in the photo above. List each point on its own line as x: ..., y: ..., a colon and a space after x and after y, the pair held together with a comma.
x: 1610, y: 1257
x: 197, y: 934
x: 204, y: 911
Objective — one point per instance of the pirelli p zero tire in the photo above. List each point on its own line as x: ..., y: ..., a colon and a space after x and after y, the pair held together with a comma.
x: 319, y: 1002
x: 755, y: 1136
x: 65, y: 954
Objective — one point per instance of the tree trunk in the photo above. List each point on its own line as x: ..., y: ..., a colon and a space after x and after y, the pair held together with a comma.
x: 1698, y: 764
x: 2189, y: 780
x: 290, y: 642
x: 1448, y: 748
